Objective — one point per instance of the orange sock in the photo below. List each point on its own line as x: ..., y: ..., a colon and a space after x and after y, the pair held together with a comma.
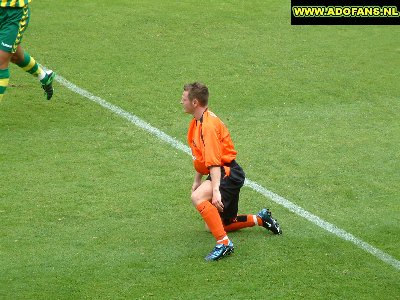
x: 259, y: 220
x: 211, y: 216
x: 242, y: 221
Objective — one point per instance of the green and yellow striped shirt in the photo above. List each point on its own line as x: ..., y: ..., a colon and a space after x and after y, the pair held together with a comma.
x: 14, y: 3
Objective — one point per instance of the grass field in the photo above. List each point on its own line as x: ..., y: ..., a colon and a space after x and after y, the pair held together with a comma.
x: 93, y: 207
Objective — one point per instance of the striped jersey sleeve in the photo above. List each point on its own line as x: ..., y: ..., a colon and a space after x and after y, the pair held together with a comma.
x: 14, y: 3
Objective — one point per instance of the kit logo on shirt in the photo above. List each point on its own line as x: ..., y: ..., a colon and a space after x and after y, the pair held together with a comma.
x: 6, y: 45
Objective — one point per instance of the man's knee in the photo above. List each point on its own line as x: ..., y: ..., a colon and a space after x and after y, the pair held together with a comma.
x: 202, y: 193
x: 196, y: 198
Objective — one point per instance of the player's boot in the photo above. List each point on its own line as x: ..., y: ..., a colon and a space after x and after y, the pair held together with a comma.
x: 220, y: 251
x: 48, y: 85
x: 268, y: 222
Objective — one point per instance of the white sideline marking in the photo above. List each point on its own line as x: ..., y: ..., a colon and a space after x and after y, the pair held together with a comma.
x: 251, y: 184
x: 323, y: 224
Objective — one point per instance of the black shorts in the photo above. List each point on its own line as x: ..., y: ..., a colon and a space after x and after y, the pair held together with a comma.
x: 230, y: 189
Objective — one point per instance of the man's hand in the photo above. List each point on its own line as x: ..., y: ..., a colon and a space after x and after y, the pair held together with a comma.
x: 215, y: 173
x: 216, y: 200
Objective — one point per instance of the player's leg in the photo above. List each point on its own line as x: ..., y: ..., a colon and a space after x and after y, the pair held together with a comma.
x: 22, y: 59
x: 241, y: 221
x: 7, y: 38
x: 263, y: 218
x: 232, y: 180
x: 4, y: 72
x: 230, y: 189
x: 201, y: 200
x: 25, y: 61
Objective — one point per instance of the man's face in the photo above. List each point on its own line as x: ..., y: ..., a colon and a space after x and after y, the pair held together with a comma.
x: 188, y: 106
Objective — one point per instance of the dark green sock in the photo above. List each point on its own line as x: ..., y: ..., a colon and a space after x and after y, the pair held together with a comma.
x: 30, y: 65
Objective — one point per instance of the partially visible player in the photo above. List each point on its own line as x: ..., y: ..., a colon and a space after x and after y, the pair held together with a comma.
x: 217, y: 197
x: 14, y: 19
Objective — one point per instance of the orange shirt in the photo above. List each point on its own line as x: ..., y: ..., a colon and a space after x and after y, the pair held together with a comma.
x: 210, y: 142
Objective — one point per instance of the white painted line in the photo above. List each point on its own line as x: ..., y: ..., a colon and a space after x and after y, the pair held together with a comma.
x: 323, y: 224
x: 126, y: 115
x: 251, y: 184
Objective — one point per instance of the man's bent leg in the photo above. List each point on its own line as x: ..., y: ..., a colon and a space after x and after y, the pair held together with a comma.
x: 242, y: 221
x: 29, y: 64
x: 23, y: 60
x: 201, y: 200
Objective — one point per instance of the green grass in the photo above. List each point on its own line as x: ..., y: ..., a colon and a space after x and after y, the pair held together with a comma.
x: 93, y: 207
